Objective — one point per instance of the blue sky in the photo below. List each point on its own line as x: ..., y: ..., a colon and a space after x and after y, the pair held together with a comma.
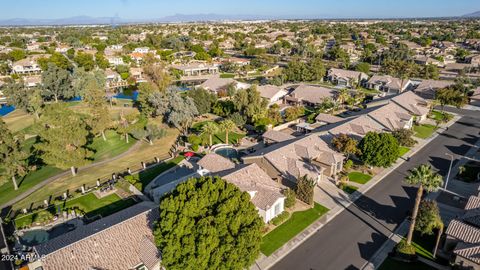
x: 143, y: 9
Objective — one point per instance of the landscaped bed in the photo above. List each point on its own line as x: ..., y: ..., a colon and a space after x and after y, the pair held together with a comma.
x: 290, y: 228
x: 88, y: 204
x: 470, y: 171
x: 424, y: 131
x: 359, y: 177
x: 403, y: 151
x: 349, y: 189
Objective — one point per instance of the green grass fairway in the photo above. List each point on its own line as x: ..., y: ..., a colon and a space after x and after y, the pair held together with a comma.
x: 113, y: 146
x: 290, y: 228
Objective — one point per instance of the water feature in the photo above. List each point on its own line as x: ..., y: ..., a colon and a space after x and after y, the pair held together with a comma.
x: 5, y: 109
x: 228, y: 152
x: 38, y: 236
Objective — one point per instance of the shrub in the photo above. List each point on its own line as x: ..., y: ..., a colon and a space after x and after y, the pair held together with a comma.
x: 348, y: 164
x: 304, y: 191
x: 404, y: 137
x: 405, y: 249
x: 289, y: 197
x: 280, y: 218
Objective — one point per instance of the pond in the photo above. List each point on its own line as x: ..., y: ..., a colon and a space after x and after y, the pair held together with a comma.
x: 38, y: 236
x: 5, y: 109
x: 227, y: 152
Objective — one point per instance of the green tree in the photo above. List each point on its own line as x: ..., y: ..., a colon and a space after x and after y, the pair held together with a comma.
x: 181, y: 111
x: 17, y: 54
x: 293, y: 113
x: 63, y: 137
x: 423, y: 177
x: 158, y: 76
x: 203, y: 99
x: 447, y: 96
x: 404, y: 137
x: 13, y: 159
x: 57, y: 83
x: 304, y: 189
x: 207, y: 223
x: 429, y: 219
x: 345, y: 144
x: 227, y: 126
x: 96, y: 102
x: 128, y: 124
x: 290, y: 197
x: 250, y: 104
x: 379, y: 149
x: 210, y: 129
x: 85, y: 60
x: 23, y: 98
x: 363, y: 67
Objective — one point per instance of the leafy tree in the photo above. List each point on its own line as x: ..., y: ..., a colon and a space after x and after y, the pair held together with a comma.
x: 23, y: 98
x: 210, y: 129
x: 157, y: 75
x: 404, y: 137
x: 129, y: 124
x: 379, y: 149
x: 305, y: 188
x: 447, y: 96
x: 345, y: 144
x: 207, y: 223
x: 95, y: 99
x: 13, y: 159
x: 363, y: 67
x: 63, y: 136
x: 274, y: 114
x: 85, y: 60
x: 101, y: 61
x: 57, y: 83
x: 151, y: 132
x: 423, y: 177
x: 227, y: 126
x: 17, y: 54
x: 203, y: 99
x: 250, y: 104
x: 238, y: 119
x: 151, y: 102
x: 290, y: 197
x: 429, y: 219
x: 181, y: 110
x: 293, y: 113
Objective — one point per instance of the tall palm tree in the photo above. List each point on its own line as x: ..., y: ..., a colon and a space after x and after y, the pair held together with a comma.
x: 210, y: 129
x: 343, y: 95
x: 227, y: 126
x: 427, y: 179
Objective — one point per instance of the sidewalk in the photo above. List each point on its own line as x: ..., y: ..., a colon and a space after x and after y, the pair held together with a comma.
x: 340, y: 201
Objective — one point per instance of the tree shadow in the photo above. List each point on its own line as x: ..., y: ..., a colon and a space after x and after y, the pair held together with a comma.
x: 368, y: 249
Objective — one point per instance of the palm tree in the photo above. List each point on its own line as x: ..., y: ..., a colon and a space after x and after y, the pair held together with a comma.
x: 227, y: 126
x: 343, y: 95
x: 425, y: 178
x: 210, y: 129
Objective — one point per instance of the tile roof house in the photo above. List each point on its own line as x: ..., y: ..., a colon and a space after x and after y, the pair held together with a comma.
x: 214, y: 163
x: 392, y: 117
x: 272, y: 93
x: 414, y: 104
x: 388, y: 84
x: 196, y: 69
x: 217, y: 84
x: 346, y: 78
x: 290, y: 160
x: 123, y: 240
x: 463, y: 236
x: 274, y: 136
x: 265, y: 193
x: 428, y: 88
x: 309, y: 95
x: 357, y: 127
x: 26, y: 66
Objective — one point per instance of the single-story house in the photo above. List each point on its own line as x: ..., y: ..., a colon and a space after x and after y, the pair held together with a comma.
x: 274, y: 136
x: 414, y: 104
x: 217, y: 84
x: 357, y: 127
x: 392, y: 117
x: 428, y: 88
x: 274, y: 94
x: 213, y: 163
x: 309, y: 95
x: 196, y: 69
x: 346, y: 78
x: 123, y: 240
x: 388, y: 84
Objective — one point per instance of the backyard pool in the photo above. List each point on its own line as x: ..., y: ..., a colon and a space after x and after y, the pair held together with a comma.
x: 227, y: 152
x: 38, y: 236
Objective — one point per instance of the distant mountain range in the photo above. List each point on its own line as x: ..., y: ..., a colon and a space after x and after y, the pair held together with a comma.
x: 472, y: 15
x: 80, y: 20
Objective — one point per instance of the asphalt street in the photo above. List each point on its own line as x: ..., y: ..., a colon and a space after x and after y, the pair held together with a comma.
x: 351, y: 238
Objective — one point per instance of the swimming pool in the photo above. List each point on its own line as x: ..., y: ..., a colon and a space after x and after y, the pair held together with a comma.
x: 38, y: 236
x: 227, y: 152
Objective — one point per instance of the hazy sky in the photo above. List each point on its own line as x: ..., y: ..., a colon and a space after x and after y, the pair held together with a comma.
x: 144, y: 9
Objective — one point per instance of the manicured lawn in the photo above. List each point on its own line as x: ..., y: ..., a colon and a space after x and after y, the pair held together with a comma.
x: 142, y: 179
x: 403, y: 151
x: 424, y: 131
x: 391, y: 264
x: 233, y: 137
x: 89, y: 204
x: 227, y: 75
x: 436, y: 115
x: 349, y: 189
x: 7, y: 192
x: 290, y: 228
x: 113, y: 146
x: 359, y: 177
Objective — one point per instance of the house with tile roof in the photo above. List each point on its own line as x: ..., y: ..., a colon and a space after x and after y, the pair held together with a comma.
x: 357, y: 128
x: 309, y: 95
x: 26, y: 66
x: 428, y: 88
x: 346, y: 78
x: 290, y: 160
x: 462, y: 237
x: 414, y: 104
x: 123, y: 240
x: 213, y: 163
x: 216, y: 84
x: 274, y: 94
x: 392, y: 117
x: 388, y: 84
x: 274, y: 136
